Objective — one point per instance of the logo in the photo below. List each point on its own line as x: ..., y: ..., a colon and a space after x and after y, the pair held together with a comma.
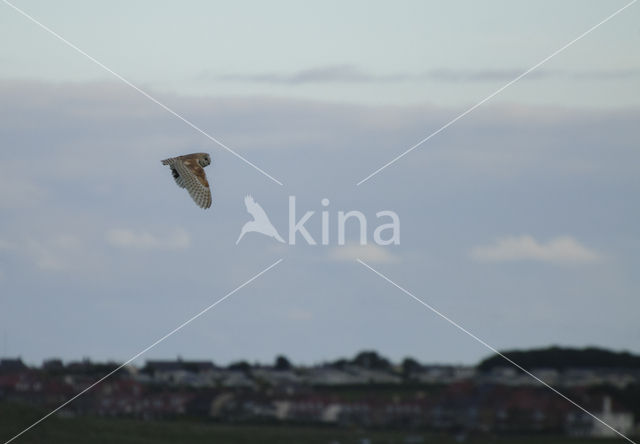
x: 384, y: 234
x: 260, y: 223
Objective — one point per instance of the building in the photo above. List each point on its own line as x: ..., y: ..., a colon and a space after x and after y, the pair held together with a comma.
x: 583, y: 424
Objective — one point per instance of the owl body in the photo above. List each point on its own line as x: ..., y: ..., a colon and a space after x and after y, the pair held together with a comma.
x: 188, y: 172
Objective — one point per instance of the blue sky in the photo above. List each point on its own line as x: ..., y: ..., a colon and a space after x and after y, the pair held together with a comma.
x: 519, y: 221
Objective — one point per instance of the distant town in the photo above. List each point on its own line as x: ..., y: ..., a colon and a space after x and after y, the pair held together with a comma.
x: 366, y: 391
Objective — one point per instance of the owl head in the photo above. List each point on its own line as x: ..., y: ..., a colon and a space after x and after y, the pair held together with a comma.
x: 204, y: 160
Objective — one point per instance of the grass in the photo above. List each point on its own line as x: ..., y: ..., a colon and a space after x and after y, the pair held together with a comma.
x: 89, y: 430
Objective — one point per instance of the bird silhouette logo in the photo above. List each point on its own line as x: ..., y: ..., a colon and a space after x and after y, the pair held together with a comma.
x: 260, y: 223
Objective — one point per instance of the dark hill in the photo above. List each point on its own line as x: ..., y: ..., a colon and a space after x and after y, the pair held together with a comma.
x: 561, y: 358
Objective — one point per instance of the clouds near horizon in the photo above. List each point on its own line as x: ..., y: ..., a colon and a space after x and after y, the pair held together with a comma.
x: 558, y: 250
x: 347, y: 73
x: 371, y: 253
x: 126, y: 238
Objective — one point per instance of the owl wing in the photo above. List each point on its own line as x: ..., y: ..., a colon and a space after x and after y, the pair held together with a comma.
x: 174, y: 172
x: 179, y: 180
x: 192, y: 177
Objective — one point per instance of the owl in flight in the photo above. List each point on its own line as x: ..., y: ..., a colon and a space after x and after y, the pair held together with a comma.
x: 188, y: 172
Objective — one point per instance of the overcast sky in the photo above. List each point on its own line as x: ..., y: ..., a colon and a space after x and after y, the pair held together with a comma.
x: 519, y: 222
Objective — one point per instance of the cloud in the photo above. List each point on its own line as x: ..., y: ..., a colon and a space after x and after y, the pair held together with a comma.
x: 322, y: 74
x: 124, y: 238
x: 369, y: 253
x: 560, y: 250
x: 45, y: 257
x: 606, y: 74
x: 298, y: 314
x: 346, y: 73
x: 481, y: 75
x: 17, y: 191
x: 58, y: 253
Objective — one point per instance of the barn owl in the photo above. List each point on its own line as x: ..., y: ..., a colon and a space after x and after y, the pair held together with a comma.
x: 188, y: 172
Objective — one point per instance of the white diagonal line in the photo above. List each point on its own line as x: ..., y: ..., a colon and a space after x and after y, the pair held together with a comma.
x: 498, y: 91
x: 137, y: 355
x: 148, y: 96
x: 493, y: 349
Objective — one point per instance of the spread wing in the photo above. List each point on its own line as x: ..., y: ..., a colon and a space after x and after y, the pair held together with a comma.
x: 254, y: 209
x: 191, y: 175
x: 174, y: 172
x: 177, y: 177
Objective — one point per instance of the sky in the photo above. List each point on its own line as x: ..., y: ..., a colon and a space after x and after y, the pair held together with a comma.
x: 519, y: 221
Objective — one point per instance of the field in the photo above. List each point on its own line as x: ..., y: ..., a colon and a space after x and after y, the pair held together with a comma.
x: 14, y: 418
